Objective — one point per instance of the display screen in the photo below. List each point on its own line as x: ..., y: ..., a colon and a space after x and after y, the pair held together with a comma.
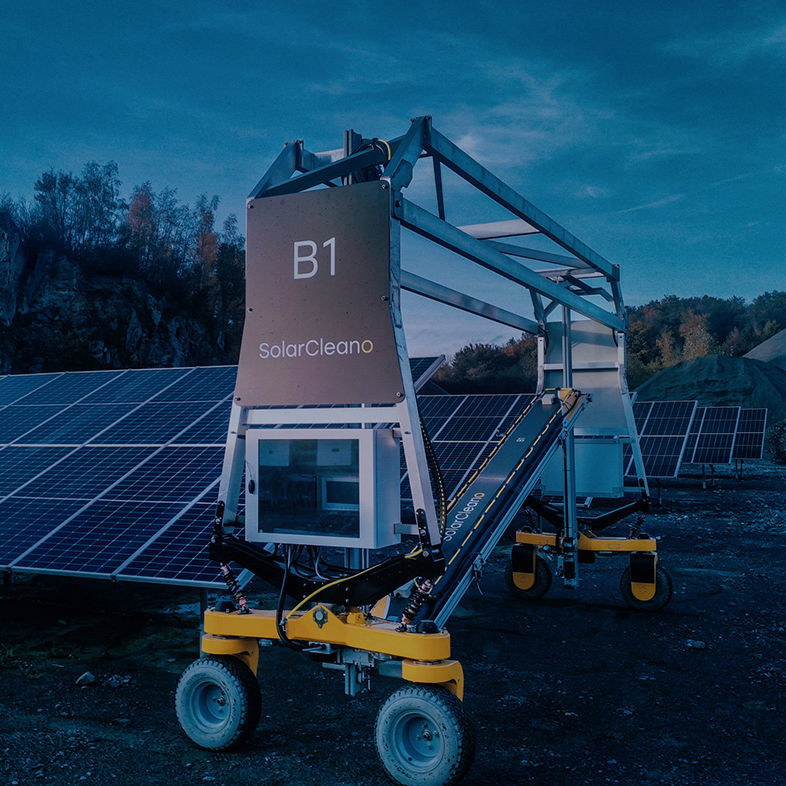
x: 309, y: 486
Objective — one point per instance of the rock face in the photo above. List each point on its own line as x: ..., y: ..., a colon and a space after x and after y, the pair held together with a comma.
x: 55, y: 316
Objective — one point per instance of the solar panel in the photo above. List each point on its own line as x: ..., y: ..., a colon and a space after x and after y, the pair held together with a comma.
x: 463, y: 429
x: 136, y: 386
x: 116, y: 472
x: 84, y: 473
x: 70, y: 387
x: 100, y: 538
x: 16, y: 420
x: 174, y: 474
x: 153, y: 424
x: 693, y: 434
x: 15, y: 388
x: 749, y: 442
x: 179, y: 553
x: 20, y: 465
x: 663, y: 428
x: 74, y: 425
x: 211, y: 383
x: 25, y: 521
x: 423, y: 369
x: 715, y: 438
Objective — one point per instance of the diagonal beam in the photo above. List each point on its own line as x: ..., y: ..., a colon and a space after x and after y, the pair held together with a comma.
x: 438, y: 188
x: 540, y: 256
x: 399, y: 168
x: 465, y: 166
x: 324, y: 174
x: 442, y: 294
x: 428, y: 225
x: 281, y: 169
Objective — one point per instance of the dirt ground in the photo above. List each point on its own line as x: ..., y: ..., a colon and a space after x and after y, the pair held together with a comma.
x: 575, y: 688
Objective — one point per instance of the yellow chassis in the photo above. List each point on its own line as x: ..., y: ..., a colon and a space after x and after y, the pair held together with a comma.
x: 641, y: 590
x: 423, y: 657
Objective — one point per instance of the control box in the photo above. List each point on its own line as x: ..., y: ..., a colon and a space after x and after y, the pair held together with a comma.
x: 323, y: 487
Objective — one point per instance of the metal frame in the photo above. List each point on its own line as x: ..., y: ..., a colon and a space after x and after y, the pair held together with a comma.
x: 574, y: 279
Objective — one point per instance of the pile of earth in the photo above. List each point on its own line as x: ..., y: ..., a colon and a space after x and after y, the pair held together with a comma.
x: 721, y: 381
x: 773, y: 350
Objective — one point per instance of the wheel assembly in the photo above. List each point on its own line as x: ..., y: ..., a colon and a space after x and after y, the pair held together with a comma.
x: 423, y: 737
x: 218, y: 702
x: 523, y: 585
x: 659, y: 598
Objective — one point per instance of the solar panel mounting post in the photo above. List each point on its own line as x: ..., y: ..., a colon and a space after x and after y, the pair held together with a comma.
x: 569, y: 556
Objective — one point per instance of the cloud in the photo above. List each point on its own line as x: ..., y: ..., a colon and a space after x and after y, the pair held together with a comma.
x: 654, y: 205
x: 732, y: 47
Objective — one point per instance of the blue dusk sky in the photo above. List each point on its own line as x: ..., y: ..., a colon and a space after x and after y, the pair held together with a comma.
x: 655, y: 132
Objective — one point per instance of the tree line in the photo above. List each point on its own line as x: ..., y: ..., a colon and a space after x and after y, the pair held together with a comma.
x: 150, y: 235
x: 661, y: 333
x: 178, y: 251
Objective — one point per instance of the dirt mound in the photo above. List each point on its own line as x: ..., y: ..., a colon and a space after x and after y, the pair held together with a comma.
x: 723, y: 381
x: 773, y: 350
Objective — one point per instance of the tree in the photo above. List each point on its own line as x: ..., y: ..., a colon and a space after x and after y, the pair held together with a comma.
x: 697, y: 339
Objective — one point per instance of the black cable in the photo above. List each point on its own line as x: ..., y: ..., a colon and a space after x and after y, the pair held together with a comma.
x: 282, y: 636
x: 434, y: 468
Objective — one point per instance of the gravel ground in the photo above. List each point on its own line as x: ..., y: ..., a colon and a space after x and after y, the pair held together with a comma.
x: 573, y: 688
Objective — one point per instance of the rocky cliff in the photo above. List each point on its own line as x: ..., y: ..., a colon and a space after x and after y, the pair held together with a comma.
x: 58, y: 315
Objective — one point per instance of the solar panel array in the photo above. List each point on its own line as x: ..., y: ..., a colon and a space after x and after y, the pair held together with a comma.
x: 463, y: 430
x: 115, y: 473
x: 715, y: 435
x: 663, y: 427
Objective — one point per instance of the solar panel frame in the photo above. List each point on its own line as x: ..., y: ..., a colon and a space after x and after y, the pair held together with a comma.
x: 662, y: 436
x: 751, y: 430
x: 716, y: 436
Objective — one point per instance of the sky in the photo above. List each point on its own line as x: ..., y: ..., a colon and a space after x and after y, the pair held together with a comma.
x: 653, y: 131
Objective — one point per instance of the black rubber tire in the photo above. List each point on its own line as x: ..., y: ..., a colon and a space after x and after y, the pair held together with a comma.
x: 218, y: 702
x: 539, y: 588
x: 663, y: 591
x: 424, y: 737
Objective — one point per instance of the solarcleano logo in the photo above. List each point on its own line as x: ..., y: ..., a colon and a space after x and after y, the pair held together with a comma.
x: 315, y: 347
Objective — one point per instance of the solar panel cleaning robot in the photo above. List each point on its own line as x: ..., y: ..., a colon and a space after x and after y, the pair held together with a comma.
x: 325, y: 408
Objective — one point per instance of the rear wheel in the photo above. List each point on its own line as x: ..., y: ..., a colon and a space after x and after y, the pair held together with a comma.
x: 218, y: 702
x: 423, y: 737
x: 539, y: 588
x: 663, y: 591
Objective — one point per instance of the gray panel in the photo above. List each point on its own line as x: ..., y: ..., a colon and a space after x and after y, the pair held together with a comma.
x: 318, y: 327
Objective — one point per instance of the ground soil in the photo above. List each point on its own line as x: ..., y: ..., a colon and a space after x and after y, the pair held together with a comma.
x: 575, y: 688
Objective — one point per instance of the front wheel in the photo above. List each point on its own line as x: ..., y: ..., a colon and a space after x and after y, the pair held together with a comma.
x: 218, y: 702
x: 423, y: 736
x: 663, y: 591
